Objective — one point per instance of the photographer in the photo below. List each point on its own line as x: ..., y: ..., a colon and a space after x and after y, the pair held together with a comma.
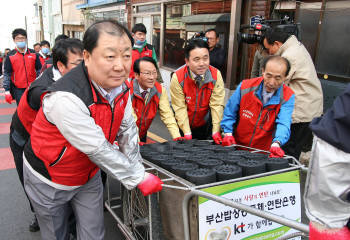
x: 259, y: 56
x: 216, y: 53
x: 303, y: 80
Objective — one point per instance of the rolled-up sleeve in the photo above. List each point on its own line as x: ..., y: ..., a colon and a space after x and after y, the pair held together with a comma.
x: 231, y: 111
x: 179, y: 105
x: 167, y: 115
x: 284, y: 120
x: 73, y: 120
x: 216, y: 103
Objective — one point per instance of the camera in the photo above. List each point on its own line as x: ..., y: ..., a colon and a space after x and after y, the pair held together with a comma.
x: 283, y: 25
x: 199, y: 35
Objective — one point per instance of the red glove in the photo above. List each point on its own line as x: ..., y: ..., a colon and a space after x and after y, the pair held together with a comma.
x: 276, y: 151
x: 150, y: 184
x: 217, y: 138
x: 328, y: 234
x: 188, y: 136
x: 8, y: 97
x: 228, y: 140
x: 142, y: 143
x: 179, y: 139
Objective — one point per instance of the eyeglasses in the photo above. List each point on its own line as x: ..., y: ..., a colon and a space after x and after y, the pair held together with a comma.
x: 75, y: 63
x: 149, y: 74
x: 20, y: 38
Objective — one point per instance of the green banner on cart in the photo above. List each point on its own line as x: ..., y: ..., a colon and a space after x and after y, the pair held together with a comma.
x: 277, y: 193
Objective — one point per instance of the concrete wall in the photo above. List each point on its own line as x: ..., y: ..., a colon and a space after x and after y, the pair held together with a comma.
x: 70, y: 14
x: 52, y: 19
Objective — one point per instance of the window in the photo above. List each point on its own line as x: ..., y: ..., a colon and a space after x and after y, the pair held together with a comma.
x: 183, y: 21
x: 147, y: 8
x: 175, y: 35
x: 332, y: 55
x: 77, y: 34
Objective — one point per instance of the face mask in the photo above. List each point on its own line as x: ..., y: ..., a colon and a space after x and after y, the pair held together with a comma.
x: 21, y: 44
x: 45, y: 50
x: 139, y: 42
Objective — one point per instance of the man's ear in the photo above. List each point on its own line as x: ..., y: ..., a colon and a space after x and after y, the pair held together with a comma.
x: 186, y: 61
x: 137, y: 76
x: 86, y: 56
x: 61, y: 67
x: 279, y: 44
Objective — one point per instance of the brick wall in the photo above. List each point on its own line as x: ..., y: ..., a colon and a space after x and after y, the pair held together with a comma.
x: 211, y: 7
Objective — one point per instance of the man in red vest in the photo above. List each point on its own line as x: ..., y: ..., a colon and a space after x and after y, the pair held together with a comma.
x: 67, y: 54
x: 148, y: 96
x: 22, y: 66
x: 48, y: 62
x: 261, y: 110
x: 197, y: 94
x: 72, y: 137
x: 44, y: 51
x: 141, y: 48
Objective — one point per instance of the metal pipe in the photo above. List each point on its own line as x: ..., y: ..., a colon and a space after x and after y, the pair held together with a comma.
x: 292, y: 235
x: 270, y: 216
x: 121, y: 225
x: 175, y: 187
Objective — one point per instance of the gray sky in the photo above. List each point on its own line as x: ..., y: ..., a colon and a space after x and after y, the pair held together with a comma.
x: 12, y: 16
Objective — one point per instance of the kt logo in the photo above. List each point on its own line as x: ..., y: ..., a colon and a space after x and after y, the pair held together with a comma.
x: 237, y: 229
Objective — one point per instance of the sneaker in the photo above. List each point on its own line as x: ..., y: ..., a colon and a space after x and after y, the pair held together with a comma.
x: 34, y: 225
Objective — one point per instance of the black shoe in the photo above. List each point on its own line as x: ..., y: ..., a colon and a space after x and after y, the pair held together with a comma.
x: 34, y: 225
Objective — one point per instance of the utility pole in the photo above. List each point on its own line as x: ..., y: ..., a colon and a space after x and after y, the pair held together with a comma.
x: 25, y: 23
x: 40, y: 6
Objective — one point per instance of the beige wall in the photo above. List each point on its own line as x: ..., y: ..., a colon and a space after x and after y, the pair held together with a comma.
x: 71, y: 15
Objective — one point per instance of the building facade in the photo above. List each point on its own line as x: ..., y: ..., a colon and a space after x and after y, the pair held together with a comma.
x: 94, y: 10
x: 72, y: 19
x: 170, y: 24
x: 50, y: 13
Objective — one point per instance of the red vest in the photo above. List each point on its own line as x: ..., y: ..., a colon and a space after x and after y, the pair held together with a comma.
x: 50, y: 154
x: 43, y: 60
x: 23, y: 68
x: 145, y: 112
x: 256, y: 125
x: 197, y: 99
x: 147, y: 51
x: 25, y: 114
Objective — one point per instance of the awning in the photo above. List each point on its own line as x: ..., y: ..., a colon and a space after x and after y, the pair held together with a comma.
x: 207, y: 18
x: 96, y: 4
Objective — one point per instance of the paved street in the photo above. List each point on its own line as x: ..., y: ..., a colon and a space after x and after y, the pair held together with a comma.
x: 15, y: 212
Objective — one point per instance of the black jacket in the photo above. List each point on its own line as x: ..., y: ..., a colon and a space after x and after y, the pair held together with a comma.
x: 218, y: 59
x: 334, y: 126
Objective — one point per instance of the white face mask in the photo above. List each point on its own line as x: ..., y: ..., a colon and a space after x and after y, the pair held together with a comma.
x: 45, y: 50
x: 21, y: 44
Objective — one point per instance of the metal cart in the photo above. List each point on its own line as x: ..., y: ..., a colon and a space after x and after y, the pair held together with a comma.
x: 182, y: 215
